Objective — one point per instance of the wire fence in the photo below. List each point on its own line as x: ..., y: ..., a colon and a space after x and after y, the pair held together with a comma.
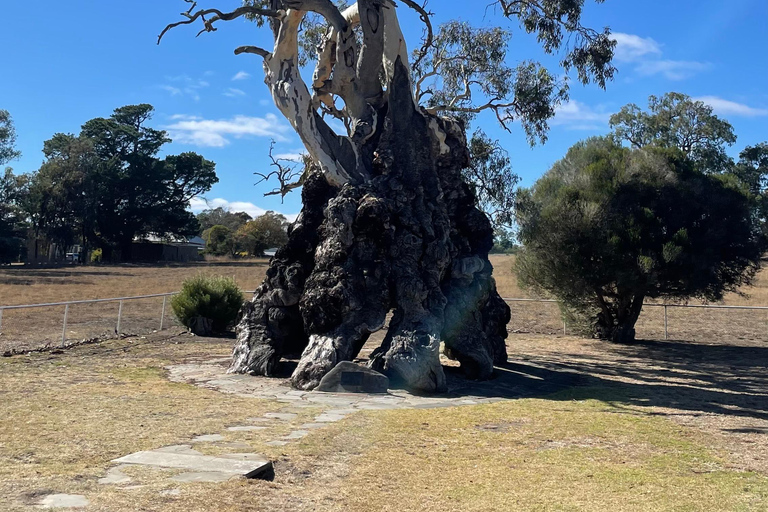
x: 714, y: 323
x: 34, y: 326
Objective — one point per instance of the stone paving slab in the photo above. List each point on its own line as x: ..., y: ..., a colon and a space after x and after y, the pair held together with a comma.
x: 196, y: 463
x: 64, y: 501
x: 115, y: 476
x: 245, y: 428
x: 208, y: 438
x: 203, y: 476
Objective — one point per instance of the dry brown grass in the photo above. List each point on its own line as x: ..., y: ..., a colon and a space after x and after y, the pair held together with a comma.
x: 589, y: 448
x: 32, y: 328
x: 29, y: 329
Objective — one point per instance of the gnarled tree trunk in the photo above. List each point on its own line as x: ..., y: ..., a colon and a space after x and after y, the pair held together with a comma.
x: 409, y: 240
x: 387, y: 225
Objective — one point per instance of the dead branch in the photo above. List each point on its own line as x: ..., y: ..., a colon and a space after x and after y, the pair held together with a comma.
x: 289, y: 176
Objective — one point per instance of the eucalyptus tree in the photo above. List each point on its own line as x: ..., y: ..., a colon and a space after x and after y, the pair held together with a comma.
x: 389, y: 222
x: 676, y: 120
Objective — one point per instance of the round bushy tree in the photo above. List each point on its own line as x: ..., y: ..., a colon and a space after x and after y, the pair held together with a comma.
x: 609, y: 226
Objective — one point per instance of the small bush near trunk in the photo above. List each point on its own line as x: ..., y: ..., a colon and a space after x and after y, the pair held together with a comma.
x: 208, y: 304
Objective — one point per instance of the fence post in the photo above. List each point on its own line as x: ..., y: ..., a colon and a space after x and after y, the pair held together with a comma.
x: 119, y: 318
x: 666, y: 333
x: 1, y: 320
x: 64, y: 328
x: 563, y: 326
x: 162, y: 315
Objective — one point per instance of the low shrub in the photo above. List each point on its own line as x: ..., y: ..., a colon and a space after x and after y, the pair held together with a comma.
x: 208, y: 304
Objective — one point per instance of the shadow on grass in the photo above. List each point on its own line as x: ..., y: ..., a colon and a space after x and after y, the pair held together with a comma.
x: 688, y: 377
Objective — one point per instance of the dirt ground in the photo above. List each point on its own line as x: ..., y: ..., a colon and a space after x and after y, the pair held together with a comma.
x: 28, y: 329
x: 586, y: 425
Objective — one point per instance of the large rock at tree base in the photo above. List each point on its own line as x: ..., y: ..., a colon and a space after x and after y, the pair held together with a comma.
x: 353, y: 378
x: 409, y: 240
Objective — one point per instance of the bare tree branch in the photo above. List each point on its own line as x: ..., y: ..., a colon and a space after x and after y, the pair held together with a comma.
x: 429, y: 38
x: 218, y: 15
x: 289, y: 176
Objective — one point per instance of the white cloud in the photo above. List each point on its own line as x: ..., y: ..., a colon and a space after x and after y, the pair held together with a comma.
x: 630, y: 47
x: 198, y: 204
x: 174, y: 91
x: 234, y: 93
x: 294, y: 155
x: 731, y: 108
x: 578, y: 116
x: 241, y: 75
x: 218, y: 132
x: 672, y: 69
x: 646, y: 54
x: 185, y: 85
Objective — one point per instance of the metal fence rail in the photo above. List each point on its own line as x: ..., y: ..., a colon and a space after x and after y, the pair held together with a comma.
x: 119, y: 300
x: 654, y: 305
x: 122, y: 300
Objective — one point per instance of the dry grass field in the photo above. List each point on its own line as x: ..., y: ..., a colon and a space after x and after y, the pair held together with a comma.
x: 656, y: 426
x: 33, y: 328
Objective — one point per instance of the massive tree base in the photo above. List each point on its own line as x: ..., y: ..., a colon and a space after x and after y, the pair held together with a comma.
x: 408, y: 240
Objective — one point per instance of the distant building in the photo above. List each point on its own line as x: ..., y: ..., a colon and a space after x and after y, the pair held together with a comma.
x: 153, y: 248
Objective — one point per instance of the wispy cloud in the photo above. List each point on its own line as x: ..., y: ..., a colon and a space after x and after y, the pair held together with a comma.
x: 241, y: 75
x: 575, y: 115
x: 731, y: 108
x: 630, y: 47
x: 646, y: 54
x: 672, y: 69
x: 184, y: 85
x: 234, y: 93
x: 294, y: 155
x: 218, y: 132
x: 198, y: 204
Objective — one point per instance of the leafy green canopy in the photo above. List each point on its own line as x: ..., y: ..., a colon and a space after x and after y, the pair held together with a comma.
x: 262, y: 233
x: 107, y: 186
x: 221, y: 217
x: 13, y: 225
x: 608, y: 226
x: 8, y: 150
x: 675, y: 120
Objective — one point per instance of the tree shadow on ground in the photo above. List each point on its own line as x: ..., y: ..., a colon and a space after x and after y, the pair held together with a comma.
x: 691, y: 378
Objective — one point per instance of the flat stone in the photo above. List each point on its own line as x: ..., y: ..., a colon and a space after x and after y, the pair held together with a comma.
x: 179, y: 448
x: 276, y: 443
x: 208, y: 438
x: 283, y: 416
x: 203, y: 476
x: 253, y: 457
x: 64, y: 501
x: 297, y: 434
x: 115, y: 476
x: 353, y: 378
x: 257, y: 420
x: 308, y: 426
x: 198, y: 463
x: 235, y: 445
x: 170, y: 492
x: 245, y: 428
x: 329, y: 418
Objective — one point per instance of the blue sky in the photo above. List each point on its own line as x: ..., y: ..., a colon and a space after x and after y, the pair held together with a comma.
x: 67, y: 62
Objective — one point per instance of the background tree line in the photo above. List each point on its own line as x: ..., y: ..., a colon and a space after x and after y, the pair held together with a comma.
x: 106, y: 187
x: 238, y: 234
